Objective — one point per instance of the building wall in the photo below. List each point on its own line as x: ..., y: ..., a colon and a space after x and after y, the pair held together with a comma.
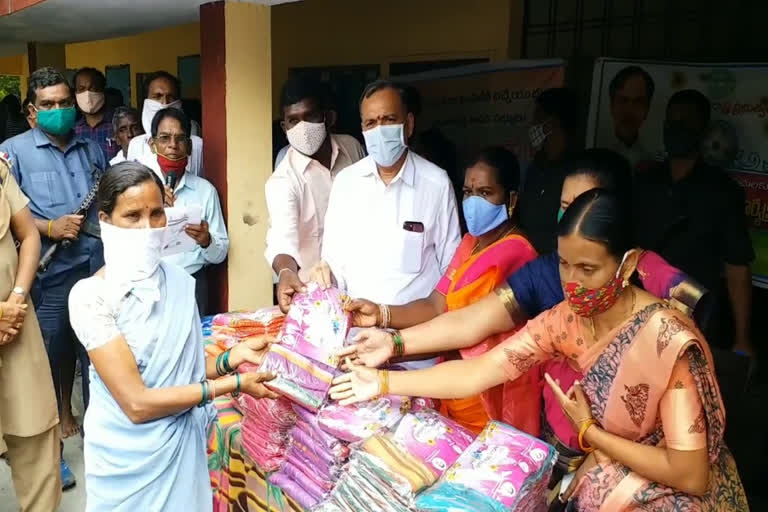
x: 325, y: 33
x: 348, y: 32
x: 147, y: 52
x: 17, y: 65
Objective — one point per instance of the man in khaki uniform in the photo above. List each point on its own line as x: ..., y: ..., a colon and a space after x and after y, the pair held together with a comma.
x: 28, y: 412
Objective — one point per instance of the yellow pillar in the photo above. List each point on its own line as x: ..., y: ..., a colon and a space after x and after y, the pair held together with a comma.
x: 236, y: 69
x: 249, y: 150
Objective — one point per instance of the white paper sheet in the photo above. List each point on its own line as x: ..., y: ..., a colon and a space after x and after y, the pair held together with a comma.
x: 179, y: 217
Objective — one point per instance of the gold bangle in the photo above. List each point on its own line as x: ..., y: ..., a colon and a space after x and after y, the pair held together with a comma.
x: 383, y: 382
x: 50, y: 227
x: 1, y: 312
x: 583, y: 430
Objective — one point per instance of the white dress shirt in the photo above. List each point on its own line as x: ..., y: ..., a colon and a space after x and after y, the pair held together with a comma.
x: 140, y: 150
x: 119, y: 158
x: 281, y: 154
x: 193, y: 190
x: 635, y: 153
x: 370, y: 253
x: 297, y: 199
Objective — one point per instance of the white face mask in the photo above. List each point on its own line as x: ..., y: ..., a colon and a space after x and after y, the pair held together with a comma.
x: 130, y: 255
x: 152, y: 107
x: 385, y: 143
x: 90, y: 102
x: 306, y: 138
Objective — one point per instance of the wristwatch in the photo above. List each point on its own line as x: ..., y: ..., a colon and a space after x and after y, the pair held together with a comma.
x: 20, y: 291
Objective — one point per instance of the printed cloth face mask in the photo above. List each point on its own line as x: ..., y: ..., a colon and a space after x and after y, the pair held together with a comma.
x: 306, y: 137
x: 589, y: 302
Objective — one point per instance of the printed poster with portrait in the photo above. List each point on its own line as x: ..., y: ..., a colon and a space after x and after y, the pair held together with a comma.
x: 481, y: 105
x: 738, y: 139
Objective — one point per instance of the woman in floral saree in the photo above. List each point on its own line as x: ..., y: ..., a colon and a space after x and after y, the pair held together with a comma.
x: 492, y: 250
x: 648, y: 409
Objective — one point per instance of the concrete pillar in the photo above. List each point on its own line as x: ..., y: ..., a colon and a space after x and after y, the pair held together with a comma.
x: 236, y: 71
x: 46, y: 54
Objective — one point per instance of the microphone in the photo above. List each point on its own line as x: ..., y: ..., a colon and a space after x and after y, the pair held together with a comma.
x: 170, y: 180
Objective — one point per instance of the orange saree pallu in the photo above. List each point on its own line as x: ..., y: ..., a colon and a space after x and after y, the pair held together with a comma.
x: 470, y: 278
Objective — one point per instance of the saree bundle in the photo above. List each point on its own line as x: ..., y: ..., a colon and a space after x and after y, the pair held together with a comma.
x: 313, y: 462
x: 356, y: 422
x: 503, y: 469
x: 298, y: 378
x: 317, y: 324
x: 421, y: 448
x: 244, y: 324
x: 369, y: 485
x: 432, y: 439
x: 265, y: 429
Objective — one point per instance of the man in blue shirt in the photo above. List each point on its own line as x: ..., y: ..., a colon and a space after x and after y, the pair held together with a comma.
x: 172, y: 145
x: 56, y: 169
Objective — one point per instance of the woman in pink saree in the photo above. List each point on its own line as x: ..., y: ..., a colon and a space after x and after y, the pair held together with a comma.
x: 648, y: 408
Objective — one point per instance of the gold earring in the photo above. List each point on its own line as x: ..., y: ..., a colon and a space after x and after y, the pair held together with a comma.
x: 625, y: 283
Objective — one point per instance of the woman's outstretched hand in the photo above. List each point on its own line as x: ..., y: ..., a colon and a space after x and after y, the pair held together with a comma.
x: 372, y: 348
x: 252, y: 350
x: 359, y: 385
x: 252, y: 384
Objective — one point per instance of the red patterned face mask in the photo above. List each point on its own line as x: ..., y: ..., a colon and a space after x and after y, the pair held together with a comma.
x: 172, y: 165
x: 588, y: 302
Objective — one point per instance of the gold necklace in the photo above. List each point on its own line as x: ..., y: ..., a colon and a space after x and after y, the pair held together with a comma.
x: 632, y: 310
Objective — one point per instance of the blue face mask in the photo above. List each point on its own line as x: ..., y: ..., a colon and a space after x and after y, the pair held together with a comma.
x: 385, y: 143
x: 482, y: 215
x: 560, y: 214
x: 57, y: 121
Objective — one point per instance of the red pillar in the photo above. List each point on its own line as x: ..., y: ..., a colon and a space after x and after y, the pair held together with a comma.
x: 213, y: 77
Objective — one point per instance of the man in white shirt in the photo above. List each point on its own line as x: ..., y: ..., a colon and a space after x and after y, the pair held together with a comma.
x: 126, y: 126
x: 631, y: 91
x: 162, y: 90
x: 170, y: 129
x: 392, y: 227
x: 297, y: 192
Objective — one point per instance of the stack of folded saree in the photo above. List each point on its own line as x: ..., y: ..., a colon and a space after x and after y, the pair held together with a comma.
x: 502, y: 470
x: 266, y: 429
x: 317, y: 324
x: 434, y: 440
x: 313, y: 462
x: 244, y: 324
x: 421, y: 448
x: 369, y: 485
x: 356, y: 422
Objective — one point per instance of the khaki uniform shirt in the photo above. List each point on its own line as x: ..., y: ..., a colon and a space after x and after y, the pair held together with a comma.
x: 27, y: 400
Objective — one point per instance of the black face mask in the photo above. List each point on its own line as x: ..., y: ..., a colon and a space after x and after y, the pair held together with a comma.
x: 679, y: 140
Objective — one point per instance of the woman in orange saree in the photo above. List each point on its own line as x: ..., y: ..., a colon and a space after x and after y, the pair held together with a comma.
x: 491, y: 251
x: 648, y: 408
